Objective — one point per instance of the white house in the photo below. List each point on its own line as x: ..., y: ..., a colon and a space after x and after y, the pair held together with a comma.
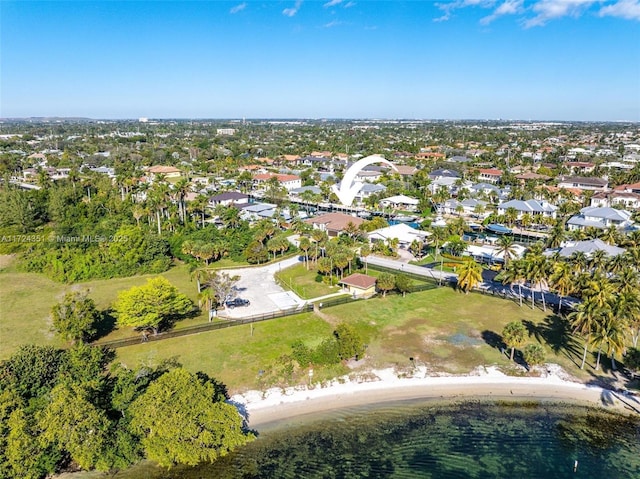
x: 531, y: 207
x: 404, y: 233
x: 601, y: 218
x: 400, y: 202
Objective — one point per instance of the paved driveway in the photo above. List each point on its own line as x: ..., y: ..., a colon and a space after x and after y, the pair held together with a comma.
x: 258, y: 285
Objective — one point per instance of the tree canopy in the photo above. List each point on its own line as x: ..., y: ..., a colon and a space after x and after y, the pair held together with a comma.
x: 151, y: 304
x: 183, y: 419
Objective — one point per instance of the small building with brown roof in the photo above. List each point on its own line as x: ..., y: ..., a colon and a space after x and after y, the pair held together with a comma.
x: 359, y: 285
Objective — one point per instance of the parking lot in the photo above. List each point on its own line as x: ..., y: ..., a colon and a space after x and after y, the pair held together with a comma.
x: 258, y: 285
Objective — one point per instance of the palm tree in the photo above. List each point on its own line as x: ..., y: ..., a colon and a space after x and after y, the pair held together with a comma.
x: 583, y: 320
x: 506, y: 248
x: 515, y: 273
x: 365, y: 250
x: 609, y: 332
x: 320, y: 238
x: 563, y: 280
x: 597, y: 260
x: 579, y: 261
x: 610, y: 235
x: 181, y: 188
x: 537, y: 271
x: 469, y: 275
x: 556, y: 236
x: 514, y: 335
x: 438, y: 235
x: 305, y: 244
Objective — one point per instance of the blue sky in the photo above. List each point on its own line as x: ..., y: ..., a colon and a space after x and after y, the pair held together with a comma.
x: 463, y: 59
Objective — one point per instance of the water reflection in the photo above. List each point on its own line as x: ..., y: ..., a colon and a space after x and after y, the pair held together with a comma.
x: 427, y: 440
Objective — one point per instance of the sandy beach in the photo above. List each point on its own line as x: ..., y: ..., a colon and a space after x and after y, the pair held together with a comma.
x: 385, y: 385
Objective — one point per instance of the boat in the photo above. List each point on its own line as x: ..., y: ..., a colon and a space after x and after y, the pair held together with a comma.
x: 499, y: 229
x: 404, y: 218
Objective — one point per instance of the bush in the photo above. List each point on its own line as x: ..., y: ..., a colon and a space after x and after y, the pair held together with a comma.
x: 301, y: 353
x: 327, y: 352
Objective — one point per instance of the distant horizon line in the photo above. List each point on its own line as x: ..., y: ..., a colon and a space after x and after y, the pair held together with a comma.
x: 289, y: 119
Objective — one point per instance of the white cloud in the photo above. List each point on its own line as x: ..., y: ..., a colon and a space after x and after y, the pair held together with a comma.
x: 552, y: 9
x: 334, y: 23
x: 349, y: 4
x: 332, y: 3
x: 629, y: 9
x: 509, y: 7
x: 448, y: 8
x: 238, y: 8
x: 290, y: 12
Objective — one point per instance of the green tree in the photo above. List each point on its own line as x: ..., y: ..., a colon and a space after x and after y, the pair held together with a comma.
x: 386, y: 282
x: 25, y: 455
x: 31, y: 371
x: 514, y: 335
x: 403, y: 284
x: 182, y: 419
x: 469, y: 275
x: 74, y: 424
x: 533, y: 354
x: 76, y: 317
x: 151, y: 305
x: 350, y: 344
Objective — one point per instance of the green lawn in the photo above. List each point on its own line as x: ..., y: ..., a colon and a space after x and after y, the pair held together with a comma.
x: 448, y: 330
x: 26, y: 300
x: 302, y: 282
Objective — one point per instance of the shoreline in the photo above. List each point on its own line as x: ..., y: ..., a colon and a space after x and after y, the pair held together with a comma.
x: 276, y: 405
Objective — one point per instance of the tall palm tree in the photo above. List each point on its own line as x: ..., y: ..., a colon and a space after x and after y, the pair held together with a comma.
x: 597, y: 260
x: 506, y: 248
x: 304, y: 244
x: 469, y: 275
x: 584, y: 320
x: 562, y: 280
x: 438, y: 235
x: 180, y: 189
x: 515, y: 273
x: 537, y: 272
x: 556, y: 236
x: 609, y: 333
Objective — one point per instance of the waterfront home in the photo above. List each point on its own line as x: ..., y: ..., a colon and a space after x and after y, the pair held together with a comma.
x: 584, y: 183
x: 400, y: 202
x: 601, y: 218
x: 531, y: 207
x: 229, y: 198
x: 404, y: 233
x: 588, y: 247
x: 333, y: 223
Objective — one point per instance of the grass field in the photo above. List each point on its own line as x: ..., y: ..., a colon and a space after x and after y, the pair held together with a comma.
x: 26, y: 300
x: 303, y: 282
x: 449, y: 331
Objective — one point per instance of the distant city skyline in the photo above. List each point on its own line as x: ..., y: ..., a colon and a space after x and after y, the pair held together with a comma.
x: 564, y: 60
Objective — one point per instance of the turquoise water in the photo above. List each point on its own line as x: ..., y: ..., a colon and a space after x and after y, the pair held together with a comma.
x: 427, y: 440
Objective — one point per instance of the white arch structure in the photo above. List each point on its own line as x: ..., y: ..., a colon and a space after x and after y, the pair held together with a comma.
x: 348, y: 187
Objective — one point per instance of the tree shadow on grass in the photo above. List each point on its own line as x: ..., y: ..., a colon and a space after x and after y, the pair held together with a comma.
x: 106, y: 324
x: 557, y: 334
x: 493, y: 339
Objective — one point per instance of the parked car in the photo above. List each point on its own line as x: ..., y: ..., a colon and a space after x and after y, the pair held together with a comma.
x: 237, y: 303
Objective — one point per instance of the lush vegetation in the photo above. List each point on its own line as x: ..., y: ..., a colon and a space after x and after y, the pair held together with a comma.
x: 63, y: 410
